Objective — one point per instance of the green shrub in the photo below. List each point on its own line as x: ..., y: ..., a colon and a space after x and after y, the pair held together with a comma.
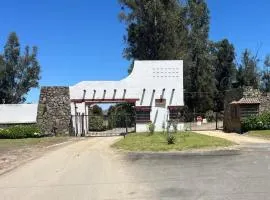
x: 4, y: 134
x: 96, y: 123
x: 171, y: 139
x: 20, y: 131
x: 256, y: 122
x: 210, y: 116
x: 151, y: 128
x: 265, y: 119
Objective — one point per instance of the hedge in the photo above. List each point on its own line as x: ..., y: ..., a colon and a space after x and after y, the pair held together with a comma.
x: 256, y: 122
x: 20, y: 131
x: 96, y: 123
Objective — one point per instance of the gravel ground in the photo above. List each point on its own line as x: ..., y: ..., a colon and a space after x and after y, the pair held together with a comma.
x: 14, y: 153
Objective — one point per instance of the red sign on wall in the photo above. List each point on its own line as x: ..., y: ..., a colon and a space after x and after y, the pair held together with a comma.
x: 160, y: 102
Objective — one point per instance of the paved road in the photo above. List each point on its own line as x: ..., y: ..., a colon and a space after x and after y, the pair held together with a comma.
x: 89, y: 169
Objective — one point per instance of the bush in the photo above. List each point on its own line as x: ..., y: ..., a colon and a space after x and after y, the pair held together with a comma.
x: 256, y: 122
x: 96, y: 123
x: 171, y: 139
x: 210, y: 116
x: 265, y: 120
x: 151, y: 128
x: 20, y: 131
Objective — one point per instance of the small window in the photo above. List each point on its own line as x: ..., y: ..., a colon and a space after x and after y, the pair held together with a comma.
x: 176, y: 113
x: 143, y: 113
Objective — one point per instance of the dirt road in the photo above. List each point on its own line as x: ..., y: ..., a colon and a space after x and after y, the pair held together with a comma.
x: 88, y: 169
x: 234, y: 137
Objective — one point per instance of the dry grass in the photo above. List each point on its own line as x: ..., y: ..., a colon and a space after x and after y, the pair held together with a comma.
x: 14, y: 144
x: 14, y: 152
x: 265, y: 134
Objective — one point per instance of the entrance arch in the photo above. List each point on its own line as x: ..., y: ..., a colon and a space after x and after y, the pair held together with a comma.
x: 153, y: 87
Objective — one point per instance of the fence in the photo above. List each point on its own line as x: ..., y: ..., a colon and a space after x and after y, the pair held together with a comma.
x: 122, y: 124
x: 103, y: 125
x: 199, y: 121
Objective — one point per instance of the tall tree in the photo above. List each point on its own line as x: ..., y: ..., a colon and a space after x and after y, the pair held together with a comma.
x: 247, y: 74
x: 266, y: 75
x: 96, y: 110
x: 199, y: 72
x: 156, y: 30
x: 224, y: 65
x: 19, y: 73
x: 2, y: 74
x: 225, y: 69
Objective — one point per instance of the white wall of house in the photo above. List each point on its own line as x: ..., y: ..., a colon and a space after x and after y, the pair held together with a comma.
x: 148, y: 81
x: 18, y: 113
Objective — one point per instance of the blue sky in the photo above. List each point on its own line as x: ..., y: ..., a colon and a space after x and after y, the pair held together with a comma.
x: 83, y: 40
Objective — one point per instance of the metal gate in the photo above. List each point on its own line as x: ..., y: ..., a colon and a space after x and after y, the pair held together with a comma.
x: 204, y: 122
x: 102, y: 125
x: 199, y: 121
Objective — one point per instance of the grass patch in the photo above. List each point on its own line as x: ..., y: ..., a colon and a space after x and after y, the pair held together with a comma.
x: 265, y: 134
x: 14, y: 144
x: 158, y: 142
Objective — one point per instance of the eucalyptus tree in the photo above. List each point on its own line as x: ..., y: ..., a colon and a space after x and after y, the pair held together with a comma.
x: 19, y: 72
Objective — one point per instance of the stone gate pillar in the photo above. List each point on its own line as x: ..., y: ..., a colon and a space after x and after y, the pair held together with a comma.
x: 54, y: 113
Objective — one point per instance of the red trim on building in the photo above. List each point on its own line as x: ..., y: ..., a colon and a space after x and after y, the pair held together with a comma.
x: 175, y: 107
x: 143, y: 108
x: 91, y: 101
x: 143, y: 114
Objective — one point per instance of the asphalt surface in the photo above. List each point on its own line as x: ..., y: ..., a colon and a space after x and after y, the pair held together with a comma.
x: 90, y: 169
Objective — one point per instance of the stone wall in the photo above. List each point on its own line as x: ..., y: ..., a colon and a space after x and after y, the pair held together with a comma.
x: 250, y: 92
x: 236, y: 94
x: 264, y: 98
x: 54, y: 111
x: 265, y: 102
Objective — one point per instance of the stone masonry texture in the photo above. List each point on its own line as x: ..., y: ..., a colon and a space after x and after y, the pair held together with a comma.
x: 54, y: 111
x: 235, y: 95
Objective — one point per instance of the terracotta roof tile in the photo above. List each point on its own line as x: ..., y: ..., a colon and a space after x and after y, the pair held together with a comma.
x: 247, y: 100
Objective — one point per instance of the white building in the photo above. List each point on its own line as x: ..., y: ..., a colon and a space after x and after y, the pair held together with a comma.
x: 12, y: 114
x: 155, y: 88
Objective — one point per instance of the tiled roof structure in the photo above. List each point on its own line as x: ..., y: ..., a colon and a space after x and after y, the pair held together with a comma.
x: 247, y: 100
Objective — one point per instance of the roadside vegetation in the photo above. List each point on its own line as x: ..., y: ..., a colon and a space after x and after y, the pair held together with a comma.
x: 158, y: 142
x: 20, y: 131
x: 256, y: 122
